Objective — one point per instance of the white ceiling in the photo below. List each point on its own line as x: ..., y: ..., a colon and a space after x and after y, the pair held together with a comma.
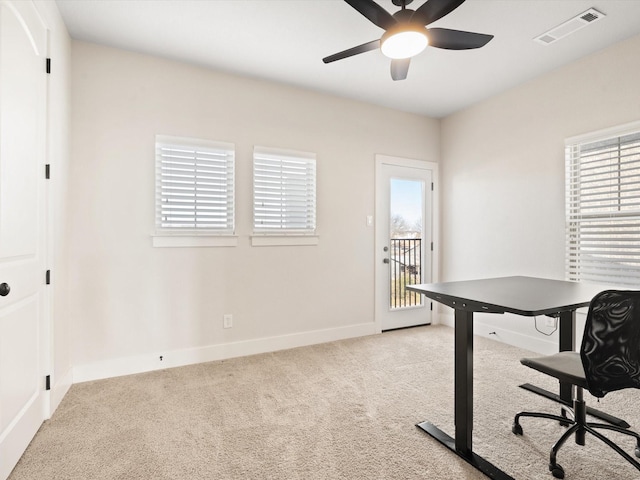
x: 285, y: 41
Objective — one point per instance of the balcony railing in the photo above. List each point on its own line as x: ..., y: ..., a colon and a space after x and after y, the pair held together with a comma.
x: 405, y: 266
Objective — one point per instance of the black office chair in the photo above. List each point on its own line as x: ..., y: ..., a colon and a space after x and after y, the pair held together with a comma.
x: 609, y: 360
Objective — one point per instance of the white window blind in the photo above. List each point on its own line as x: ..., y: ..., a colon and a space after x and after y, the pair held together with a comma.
x: 603, y: 210
x: 284, y: 191
x: 194, y: 185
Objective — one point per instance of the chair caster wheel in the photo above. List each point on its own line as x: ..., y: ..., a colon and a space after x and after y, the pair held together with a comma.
x: 637, y: 452
x: 556, y: 470
x: 516, y: 428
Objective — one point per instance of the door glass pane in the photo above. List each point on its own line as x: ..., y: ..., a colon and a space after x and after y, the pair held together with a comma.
x: 406, y: 207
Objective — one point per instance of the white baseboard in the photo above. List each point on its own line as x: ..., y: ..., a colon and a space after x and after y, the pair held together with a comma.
x: 59, y: 389
x: 144, y: 363
x: 482, y: 328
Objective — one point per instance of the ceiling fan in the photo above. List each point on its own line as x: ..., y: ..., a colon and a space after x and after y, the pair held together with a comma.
x: 406, y: 34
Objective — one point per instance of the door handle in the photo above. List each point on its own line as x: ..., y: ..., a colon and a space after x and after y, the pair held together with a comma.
x: 4, y: 289
x: 385, y: 260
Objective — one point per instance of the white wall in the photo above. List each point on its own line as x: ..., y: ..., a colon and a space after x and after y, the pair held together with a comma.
x: 130, y: 302
x: 502, y: 170
x: 58, y: 157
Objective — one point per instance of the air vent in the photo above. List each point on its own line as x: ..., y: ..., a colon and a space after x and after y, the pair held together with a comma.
x: 570, y: 26
x: 589, y: 17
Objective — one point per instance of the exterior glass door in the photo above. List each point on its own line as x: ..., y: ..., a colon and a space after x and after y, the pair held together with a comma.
x: 403, y: 241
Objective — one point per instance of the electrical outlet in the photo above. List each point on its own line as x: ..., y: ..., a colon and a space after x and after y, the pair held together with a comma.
x: 227, y: 320
x: 550, y: 322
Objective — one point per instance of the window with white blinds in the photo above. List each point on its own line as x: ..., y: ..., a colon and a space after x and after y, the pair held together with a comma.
x: 194, y: 185
x: 284, y: 191
x: 603, y: 209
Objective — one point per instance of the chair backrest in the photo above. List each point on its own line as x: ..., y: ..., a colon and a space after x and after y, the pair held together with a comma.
x: 610, y: 349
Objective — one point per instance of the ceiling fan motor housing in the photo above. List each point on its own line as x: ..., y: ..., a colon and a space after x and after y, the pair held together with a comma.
x: 401, y: 3
x: 404, y: 15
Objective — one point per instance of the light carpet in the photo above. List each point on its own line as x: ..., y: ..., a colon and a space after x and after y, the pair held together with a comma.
x: 340, y: 410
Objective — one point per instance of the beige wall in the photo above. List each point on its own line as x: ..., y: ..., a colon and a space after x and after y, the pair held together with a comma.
x: 132, y: 302
x: 502, y: 171
x: 502, y: 204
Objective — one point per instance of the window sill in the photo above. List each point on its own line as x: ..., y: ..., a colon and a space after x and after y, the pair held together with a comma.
x: 269, y: 240
x: 187, y: 240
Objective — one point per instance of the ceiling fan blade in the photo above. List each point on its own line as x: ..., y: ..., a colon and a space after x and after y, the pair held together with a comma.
x: 365, y: 47
x: 433, y: 10
x: 456, y: 39
x: 374, y: 12
x: 400, y: 68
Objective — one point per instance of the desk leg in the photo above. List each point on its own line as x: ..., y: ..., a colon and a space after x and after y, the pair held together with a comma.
x: 461, y: 445
x: 463, y: 399
x: 567, y: 342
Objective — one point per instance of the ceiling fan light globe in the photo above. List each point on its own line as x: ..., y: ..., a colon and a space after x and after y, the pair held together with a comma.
x: 404, y: 43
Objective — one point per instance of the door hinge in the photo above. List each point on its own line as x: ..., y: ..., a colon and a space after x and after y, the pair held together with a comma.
x: 47, y: 171
x: 48, y: 277
x: 48, y: 65
x: 431, y: 306
x: 432, y: 186
x: 47, y: 382
x: 432, y: 246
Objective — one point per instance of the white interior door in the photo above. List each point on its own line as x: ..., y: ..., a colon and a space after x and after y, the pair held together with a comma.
x: 22, y: 275
x: 404, y: 240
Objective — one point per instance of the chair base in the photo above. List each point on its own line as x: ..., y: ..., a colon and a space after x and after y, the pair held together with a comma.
x: 578, y: 426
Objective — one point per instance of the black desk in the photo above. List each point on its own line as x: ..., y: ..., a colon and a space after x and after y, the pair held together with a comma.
x: 526, y: 296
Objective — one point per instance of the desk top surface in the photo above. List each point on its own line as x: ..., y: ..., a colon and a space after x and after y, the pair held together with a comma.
x: 529, y: 296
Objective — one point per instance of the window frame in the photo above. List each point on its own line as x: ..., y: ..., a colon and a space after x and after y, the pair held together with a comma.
x: 600, y: 241
x: 178, y: 236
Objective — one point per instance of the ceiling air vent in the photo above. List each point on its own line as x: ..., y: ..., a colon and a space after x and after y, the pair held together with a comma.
x: 570, y: 26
